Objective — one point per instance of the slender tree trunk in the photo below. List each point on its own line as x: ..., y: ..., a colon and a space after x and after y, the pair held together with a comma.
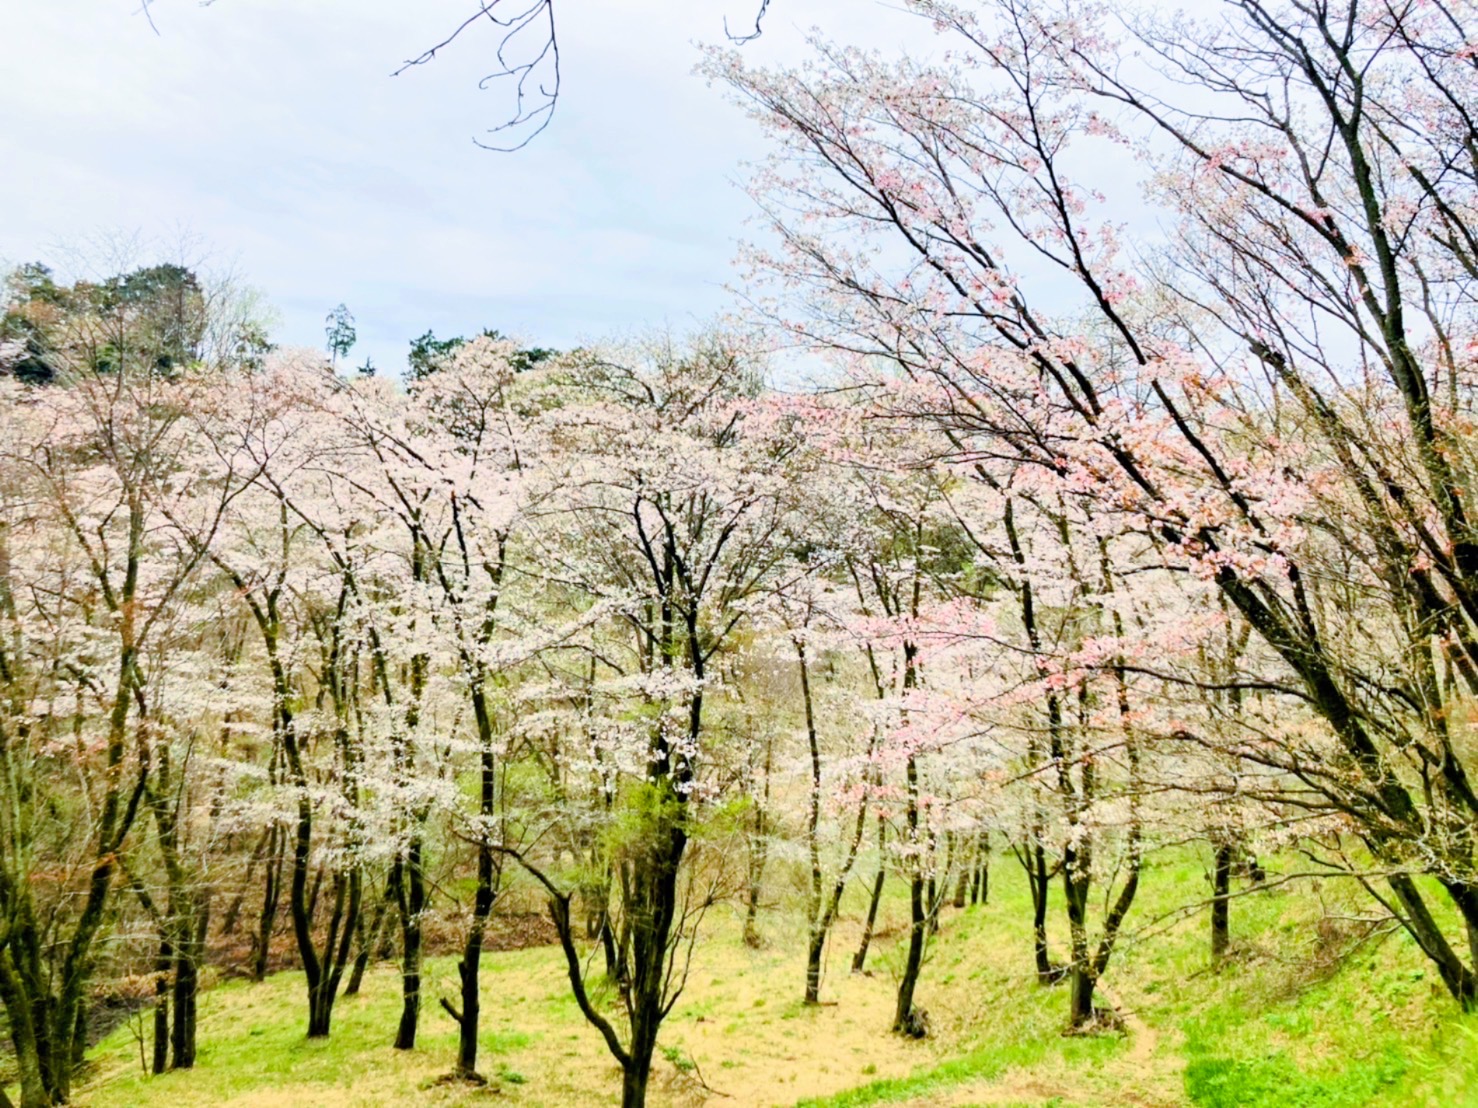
x: 186, y: 993
x: 817, y: 937
x: 650, y: 897
x: 815, y: 946
x: 1039, y: 880
x: 1417, y: 918
x: 271, y: 894
x: 79, y: 1037
x: 1255, y: 873
x: 752, y: 905
x: 187, y: 983
x: 1076, y: 883
x: 366, y: 939
x: 1083, y: 983
x: 615, y: 965
x: 313, y: 896
x: 859, y: 960
x: 759, y: 854
x: 966, y: 871
x: 22, y: 1034
x: 162, y: 964
x: 1221, y: 888
x: 646, y: 1018
x: 759, y: 849
x: 980, y: 884
x: 907, y: 1019
x: 320, y: 1012
x: 411, y: 896
x: 470, y: 965
x: 323, y: 981
x: 905, y: 1016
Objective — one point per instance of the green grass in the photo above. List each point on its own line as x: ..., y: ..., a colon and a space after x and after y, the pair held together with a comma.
x: 1280, y: 1024
x: 982, y: 1064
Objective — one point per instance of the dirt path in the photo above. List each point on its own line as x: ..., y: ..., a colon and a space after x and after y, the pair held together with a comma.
x: 1144, y: 1039
x: 1142, y: 1087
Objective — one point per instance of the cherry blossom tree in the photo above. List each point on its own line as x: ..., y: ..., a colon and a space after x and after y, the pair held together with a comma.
x: 292, y: 555
x: 105, y: 528
x: 676, y: 480
x: 1317, y: 261
x: 459, y: 462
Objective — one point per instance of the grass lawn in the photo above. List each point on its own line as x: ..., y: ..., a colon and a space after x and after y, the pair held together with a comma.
x: 1283, y: 1024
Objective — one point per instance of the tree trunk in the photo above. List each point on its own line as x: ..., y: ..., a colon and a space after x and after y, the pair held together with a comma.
x: 467, y: 973
x: 1221, y: 887
x: 655, y: 912
x: 186, y: 1000
x: 1419, y: 923
x: 1038, y: 879
x: 22, y: 1035
x: 962, y: 882
x: 980, y: 882
x: 1083, y: 983
x: 752, y: 907
x: 161, y: 1008
x: 267, y: 917
x: 634, y: 1084
x: 367, y: 939
x: 906, y: 1018
x: 817, y: 939
x: 313, y: 896
x: 411, y: 896
x: 615, y: 967
x: 814, y: 950
x: 325, y: 971
x: 759, y: 849
x: 759, y: 854
x: 859, y: 960
x: 320, y: 1010
x: 186, y: 993
x: 468, y: 968
x: 1076, y: 882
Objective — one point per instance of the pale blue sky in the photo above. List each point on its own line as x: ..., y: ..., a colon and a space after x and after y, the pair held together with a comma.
x: 272, y: 131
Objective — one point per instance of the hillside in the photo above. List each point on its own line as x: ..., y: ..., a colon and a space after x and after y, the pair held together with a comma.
x: 1304, y: 1014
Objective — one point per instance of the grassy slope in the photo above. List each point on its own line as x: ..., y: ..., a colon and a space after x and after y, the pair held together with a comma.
x: 1278, y: 1027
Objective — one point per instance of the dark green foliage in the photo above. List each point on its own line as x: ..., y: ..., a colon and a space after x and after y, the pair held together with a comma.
x: 338, y: 327
x: 428, y: 353
x: 154, y: 316
x: 32, y: 302
x: 163, y: 314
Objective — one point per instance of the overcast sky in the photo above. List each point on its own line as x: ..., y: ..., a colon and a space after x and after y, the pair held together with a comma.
x: 271, y: 131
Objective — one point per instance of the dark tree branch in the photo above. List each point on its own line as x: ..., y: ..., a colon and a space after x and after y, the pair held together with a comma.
x: 759, y: 29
